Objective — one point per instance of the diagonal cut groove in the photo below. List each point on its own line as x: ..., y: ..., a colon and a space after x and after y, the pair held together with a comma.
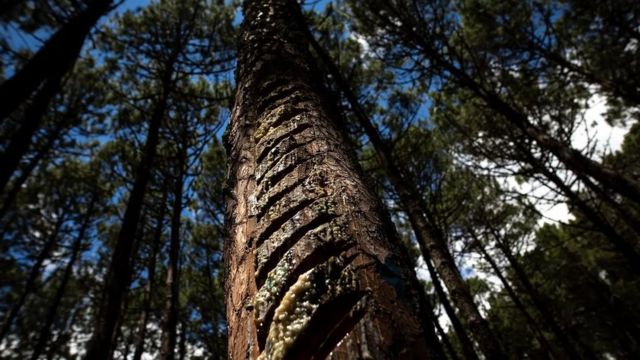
x: 288, y: 114
x: 287, y: 151
x: 339, y: 332
x: 277, y: 223
x: 298, y: 98
x: 289, y: 242
x: 277, y: 196
x: 275, y: 178
x: 274, y: 143
x: 318, y: 256
x: 320, y: 333
x: 269, y: 86
x: 277, y: 94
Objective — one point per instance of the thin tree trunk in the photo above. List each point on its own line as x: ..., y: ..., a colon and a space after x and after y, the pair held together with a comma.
x: 453, y: 355
x: 56, y: 57
x: 151, y: 275
x: 465, y: 342
x: 432, y: 243
x: 45, y: 70
x: 309, y: 254
x: 535, y: 297
x: 629, y: 251
x: 516, y: 301
x: 172, y: 284
x: 34, y: 273
x: 20, y: 141
x: 64, y: 335
x: 119, y: 274
x: 45, y: 331
x: 11, y: 194
x: 573, y: 159
x: 212, y: 313
x: 182, y: 348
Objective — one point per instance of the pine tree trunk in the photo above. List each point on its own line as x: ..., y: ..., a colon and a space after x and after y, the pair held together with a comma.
x: 65, y: 335
x: 11, y: 194
x: 313, y: 269
x: 34, y: 273
x: 516, y: 299
x: 20, y: 141
x: 431, y: 241
x: 56, y: 57
x: 536, y: 299
x: 120, y: 270
x: 172, y: 306
x: 465, y: 342
x: 453, y: 355
x: 46, y: 70
x: 151, y: 276
x: 45, y: 331
x: 182, y: 348
x: 573, y: 159
x: 630, y: 251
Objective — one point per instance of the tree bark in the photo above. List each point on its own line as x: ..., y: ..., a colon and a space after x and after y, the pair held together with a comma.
x: 45, y: 331
x: 312, y: 269
x: 172, y: 284
x: 431, y: 241
x: 34, y: 273
x: 119, y: 274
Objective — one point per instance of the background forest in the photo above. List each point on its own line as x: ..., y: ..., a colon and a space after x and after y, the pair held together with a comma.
x: 501, y: 136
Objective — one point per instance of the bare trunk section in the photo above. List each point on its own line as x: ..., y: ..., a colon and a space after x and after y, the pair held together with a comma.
x: 431, y: 241
x: 172, y: 306
x: 119, y: 274
x: 311, y: 269
x: 34, y: 273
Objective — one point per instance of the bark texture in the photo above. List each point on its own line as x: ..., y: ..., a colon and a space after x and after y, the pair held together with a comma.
x: 312, y: 270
